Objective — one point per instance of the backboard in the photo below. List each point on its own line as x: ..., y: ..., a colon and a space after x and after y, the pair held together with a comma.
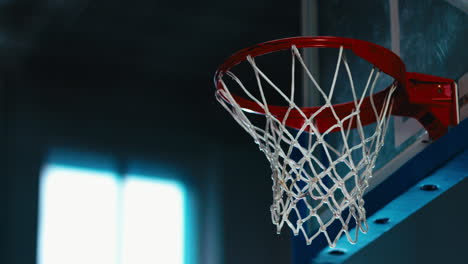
x: 430, y: 37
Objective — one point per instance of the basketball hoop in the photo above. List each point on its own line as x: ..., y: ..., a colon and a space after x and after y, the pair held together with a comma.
x: 314, y: 181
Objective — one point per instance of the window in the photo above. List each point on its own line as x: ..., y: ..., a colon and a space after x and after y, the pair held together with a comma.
x: 153, y: 226
x: 96, y: 216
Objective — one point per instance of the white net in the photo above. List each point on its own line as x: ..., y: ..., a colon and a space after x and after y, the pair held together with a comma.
x: 318, y: 187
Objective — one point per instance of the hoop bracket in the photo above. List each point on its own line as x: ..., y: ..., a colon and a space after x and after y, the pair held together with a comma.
x: 431, y: 100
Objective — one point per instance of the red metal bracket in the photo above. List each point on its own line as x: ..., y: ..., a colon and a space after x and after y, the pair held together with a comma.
x: 431, y: 100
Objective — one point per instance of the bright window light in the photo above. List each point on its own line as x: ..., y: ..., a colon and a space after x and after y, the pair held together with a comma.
x: 153, y: 229
x: 95, y: 217
x: 77, y: 222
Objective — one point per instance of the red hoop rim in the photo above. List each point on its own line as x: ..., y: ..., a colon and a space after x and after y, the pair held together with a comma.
x: 434, y: 112
x: 384, y: 59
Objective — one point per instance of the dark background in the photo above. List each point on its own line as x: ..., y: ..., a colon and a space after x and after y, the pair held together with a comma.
x: 132, y: 80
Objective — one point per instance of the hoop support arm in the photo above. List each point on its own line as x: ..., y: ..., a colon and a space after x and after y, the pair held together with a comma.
x: 432, y: 100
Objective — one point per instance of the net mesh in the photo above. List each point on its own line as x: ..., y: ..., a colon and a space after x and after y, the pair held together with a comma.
x: 318, y: 187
